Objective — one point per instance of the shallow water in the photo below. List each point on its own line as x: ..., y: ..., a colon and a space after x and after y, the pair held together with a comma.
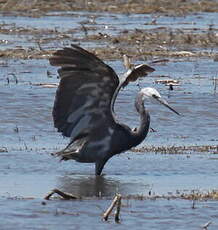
x: 154, y: 173
x: 95, y: 23
x: 28, y: 171
x: 77, y: 215
x: 113, y: 22
x: 26, y: 180
x: 28, y: 107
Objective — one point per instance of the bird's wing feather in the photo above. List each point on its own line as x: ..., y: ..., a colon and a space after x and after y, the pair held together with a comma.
x: 85, y: 91
x: 133, y: 74
x: 130, y: 76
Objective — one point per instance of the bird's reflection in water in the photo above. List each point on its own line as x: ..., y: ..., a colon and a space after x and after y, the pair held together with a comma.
x: 89, y: 186
x: 81, y: 185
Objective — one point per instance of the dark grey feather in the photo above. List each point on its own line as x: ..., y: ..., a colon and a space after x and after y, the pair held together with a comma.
x: 83, y: 109
x: 86, y: 88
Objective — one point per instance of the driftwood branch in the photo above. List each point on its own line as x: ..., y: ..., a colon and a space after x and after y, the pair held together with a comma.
x: 117, y: 213
x: 64, y: 195
x: 110, y: 208
x: 116, y: 201
x: 205, y: 226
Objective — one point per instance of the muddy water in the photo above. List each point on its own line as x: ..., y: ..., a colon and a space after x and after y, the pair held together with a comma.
x: 73, y: 24
x: 28, y: 171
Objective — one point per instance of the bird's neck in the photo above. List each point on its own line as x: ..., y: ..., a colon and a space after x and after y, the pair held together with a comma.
x: 143, y: 129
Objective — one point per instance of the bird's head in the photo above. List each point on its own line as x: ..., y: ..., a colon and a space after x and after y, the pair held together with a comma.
x: 154, y: 95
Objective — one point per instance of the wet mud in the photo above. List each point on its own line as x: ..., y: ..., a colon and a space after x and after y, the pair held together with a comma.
x: 36, y: 8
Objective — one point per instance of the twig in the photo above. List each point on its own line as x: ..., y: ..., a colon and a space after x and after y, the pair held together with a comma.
x: 65, y: 195
x: 3, y: 150
x: 117, y: 212
x: 14, y: 76
x: 49, y: 74
x: 47, y: 197
x: 126, y: 62
x: 39, y: 45
x: 152, y: 130
x: 193, y: 204
x: 159, y: 61
x: 84, y: 30
x: 215, y: 80
x: 109, y: 210
x: 205, y: 226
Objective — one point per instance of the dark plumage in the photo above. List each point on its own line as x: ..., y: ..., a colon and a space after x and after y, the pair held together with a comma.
x: 83, y: 108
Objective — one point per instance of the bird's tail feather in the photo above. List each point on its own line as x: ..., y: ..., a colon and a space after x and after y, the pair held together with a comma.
x: 66, y: 154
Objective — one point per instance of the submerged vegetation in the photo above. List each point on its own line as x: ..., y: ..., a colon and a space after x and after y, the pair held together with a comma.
x: 139, y: 43
x: 179, y: 149
x: 117, y: 6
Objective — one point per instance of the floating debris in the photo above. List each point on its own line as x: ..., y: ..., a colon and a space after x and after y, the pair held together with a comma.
x: 178, y: 149
x: 216, y: 57
x: 64, y: 195
x: 192, y: 196
x: 3, y: 150
x: 46, y: 85
x: 160, y: 61
x: 205, y: 226
x: 172, y: 84
x: 167, y: 82
x: 215, y: 83
x: 184, y: 53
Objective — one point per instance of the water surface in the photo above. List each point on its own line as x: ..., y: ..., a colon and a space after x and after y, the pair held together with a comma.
x: 28, y: 171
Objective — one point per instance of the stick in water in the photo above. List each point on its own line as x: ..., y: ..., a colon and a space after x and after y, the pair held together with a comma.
x: 65, y: 195
x: 109, y: 210
x: 116, y: 201
x: 117, y: 213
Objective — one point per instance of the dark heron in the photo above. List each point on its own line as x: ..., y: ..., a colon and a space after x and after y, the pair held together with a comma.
x: 84, y: 107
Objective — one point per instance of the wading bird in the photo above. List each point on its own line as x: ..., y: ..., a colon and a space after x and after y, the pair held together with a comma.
x: 84, y: 107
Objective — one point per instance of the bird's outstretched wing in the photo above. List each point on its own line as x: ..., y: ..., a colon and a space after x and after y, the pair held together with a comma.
x: 83, y: 98
x: 136, y: 72
x: 133, y: 73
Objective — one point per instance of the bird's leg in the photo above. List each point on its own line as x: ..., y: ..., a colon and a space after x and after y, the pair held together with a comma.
x: 98, y: 168
x: 99, y: 165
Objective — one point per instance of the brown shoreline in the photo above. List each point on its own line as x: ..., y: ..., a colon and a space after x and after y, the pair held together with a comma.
x: 118, y: 6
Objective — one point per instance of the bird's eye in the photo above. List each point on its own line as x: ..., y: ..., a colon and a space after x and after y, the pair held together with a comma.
x: 154, y: 96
